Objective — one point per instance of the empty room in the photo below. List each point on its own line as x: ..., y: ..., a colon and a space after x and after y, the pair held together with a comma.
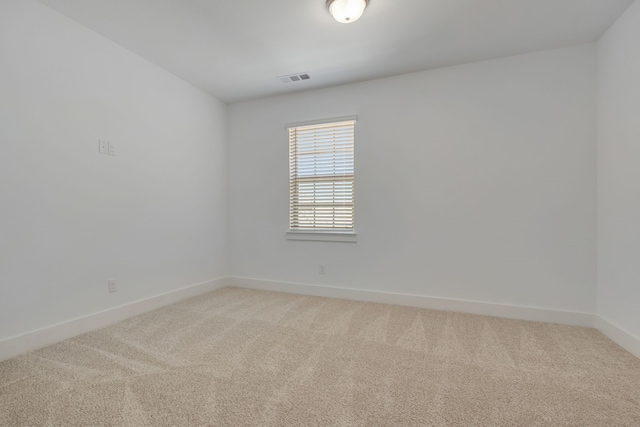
x: 320, y: 213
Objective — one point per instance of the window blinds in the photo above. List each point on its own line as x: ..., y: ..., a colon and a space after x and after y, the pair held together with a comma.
x: 321, y: 177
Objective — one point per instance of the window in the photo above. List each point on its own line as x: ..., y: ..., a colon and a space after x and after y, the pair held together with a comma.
x: 321, y: 181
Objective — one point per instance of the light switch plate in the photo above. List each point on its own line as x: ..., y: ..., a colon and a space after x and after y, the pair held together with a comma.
x: 112, y: 149
x: 103, y: 146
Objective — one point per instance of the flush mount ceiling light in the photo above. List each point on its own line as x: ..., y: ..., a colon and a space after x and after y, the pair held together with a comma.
x: 346, y: 11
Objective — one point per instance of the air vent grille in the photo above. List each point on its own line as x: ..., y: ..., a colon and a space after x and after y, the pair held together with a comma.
x: 294, y: 77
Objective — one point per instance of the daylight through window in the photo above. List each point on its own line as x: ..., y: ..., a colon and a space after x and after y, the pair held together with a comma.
x: 321, y: 177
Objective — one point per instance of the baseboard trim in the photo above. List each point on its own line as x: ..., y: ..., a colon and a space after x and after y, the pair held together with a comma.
x: 618, y: 335
x: 472, y: 307
x: 15, y: 346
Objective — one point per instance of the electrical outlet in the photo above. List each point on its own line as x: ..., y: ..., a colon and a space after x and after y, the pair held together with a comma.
x: 112, y: 285
x: 103, y: 146
x: 322, y: 269
x: 112, y: 149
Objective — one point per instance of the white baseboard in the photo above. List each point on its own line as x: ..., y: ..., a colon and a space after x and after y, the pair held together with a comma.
x: 472, y: 307
x: 618, y: 335
x: 21, y: 344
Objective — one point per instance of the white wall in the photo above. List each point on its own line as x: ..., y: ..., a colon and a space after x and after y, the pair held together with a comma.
x: 619, y: 173
x: 474, y: 182
x: 154, y: 216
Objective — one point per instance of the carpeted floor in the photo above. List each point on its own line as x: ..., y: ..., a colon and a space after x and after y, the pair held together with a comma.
x: 238, y: 357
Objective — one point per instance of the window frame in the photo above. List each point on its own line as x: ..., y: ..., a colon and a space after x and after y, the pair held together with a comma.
x: 326, y: 235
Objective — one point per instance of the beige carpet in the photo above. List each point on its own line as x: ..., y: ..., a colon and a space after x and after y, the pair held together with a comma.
x: 238, y: 357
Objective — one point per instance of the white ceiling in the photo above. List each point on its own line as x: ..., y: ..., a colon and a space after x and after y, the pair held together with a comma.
x: 235, y: 49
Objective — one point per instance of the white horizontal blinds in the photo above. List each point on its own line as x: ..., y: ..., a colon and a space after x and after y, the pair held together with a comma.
x: 321, y: 177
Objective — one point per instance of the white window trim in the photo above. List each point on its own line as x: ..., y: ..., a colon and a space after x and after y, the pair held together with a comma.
x: 320, y: 235
x: 323, y: 236
x: 322, y: 121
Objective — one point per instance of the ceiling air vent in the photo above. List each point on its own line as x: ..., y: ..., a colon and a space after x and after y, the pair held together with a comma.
x: 294, y: 77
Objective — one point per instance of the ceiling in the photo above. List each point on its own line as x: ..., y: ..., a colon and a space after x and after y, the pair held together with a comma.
x: 235, y: 49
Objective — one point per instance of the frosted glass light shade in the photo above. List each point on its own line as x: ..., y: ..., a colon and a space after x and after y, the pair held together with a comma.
x: 346, y: 11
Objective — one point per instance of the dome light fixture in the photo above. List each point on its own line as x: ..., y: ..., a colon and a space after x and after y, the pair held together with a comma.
x: 346, y: 11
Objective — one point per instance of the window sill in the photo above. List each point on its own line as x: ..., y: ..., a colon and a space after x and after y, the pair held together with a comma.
x: 322, y: 236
